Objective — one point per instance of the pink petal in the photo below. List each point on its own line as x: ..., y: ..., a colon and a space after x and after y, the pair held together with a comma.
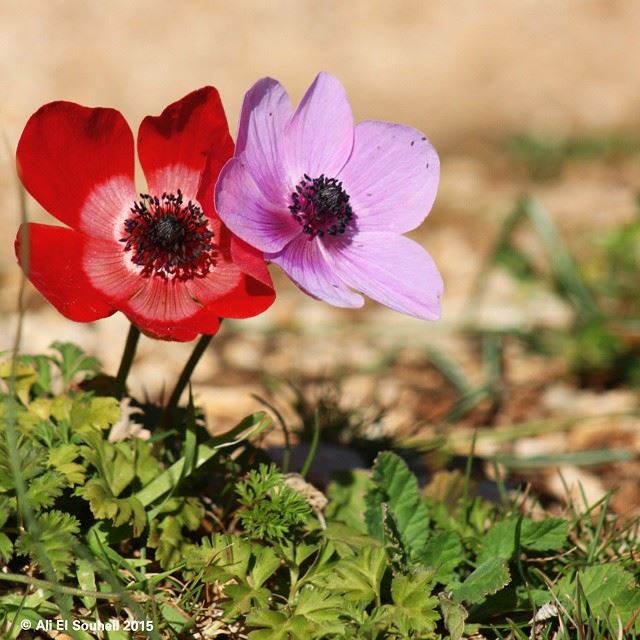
x: 305, y: 263
x: 395, y: 271
x: 391, y: 177
x: 265, y: 112
x: 319, y: 137
x: 246, y: 211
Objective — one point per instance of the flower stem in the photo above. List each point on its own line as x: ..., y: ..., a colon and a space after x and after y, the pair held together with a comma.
x: 127, y: 360
x: 184, y: 378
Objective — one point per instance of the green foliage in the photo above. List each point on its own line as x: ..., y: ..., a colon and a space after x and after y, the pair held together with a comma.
x: 606, y: 591
x: 270, y: 510
x: 56, y: 533
x: 395, y: 510
x: 488, y: 578
x: 173, y: 529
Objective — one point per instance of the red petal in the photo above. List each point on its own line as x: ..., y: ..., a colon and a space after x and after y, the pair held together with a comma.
x: 68, y: 151
x: 175, y: 146
x: 51, y: 258
x: 249, y: 298
x: 240, y: 285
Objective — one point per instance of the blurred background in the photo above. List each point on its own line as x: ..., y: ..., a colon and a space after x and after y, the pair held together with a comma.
x: 537, y: 347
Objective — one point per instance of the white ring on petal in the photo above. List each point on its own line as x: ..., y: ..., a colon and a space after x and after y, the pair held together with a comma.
x: 106, y: 208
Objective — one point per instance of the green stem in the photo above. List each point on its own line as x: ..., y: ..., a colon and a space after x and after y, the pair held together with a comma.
x: 184, y: 378
x: 315, y: 438
x: 127, y: 360
x: 59, y: 588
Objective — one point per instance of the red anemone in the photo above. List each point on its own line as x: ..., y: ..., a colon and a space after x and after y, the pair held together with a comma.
x: 164, y: 258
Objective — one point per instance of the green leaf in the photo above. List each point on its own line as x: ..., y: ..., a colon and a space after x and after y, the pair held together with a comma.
x: 549, y: 534
x: 55, y: 534
x: 63, y: 460
x: 72, y: 361
x: 86, y: 581
x: 166, y: 530
x: 358, y: 578
x: 321, y: 607
x: 499, y: 541
x: 21, y: 377
x: 546, y: 535
x: 396, y: 486
x: 220, y: 558
x: 346, y: 498
x: 120, y: 511
x: 42, y: 365
x: 443, y: 553
x: 6, y: 548
x: 454, y: 615
x: 43, y: 490
x: 272, y: 510
x: 93, y: 412
x: 609, y: 590
x: 414, y: 608
x: 487, y: 579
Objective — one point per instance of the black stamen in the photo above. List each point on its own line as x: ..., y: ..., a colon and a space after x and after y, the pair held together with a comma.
x: 168, y: 238
x: 321, y: 206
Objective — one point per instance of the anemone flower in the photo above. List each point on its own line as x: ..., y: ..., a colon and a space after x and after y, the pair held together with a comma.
x: 328, y: 201
x: 163, y: 257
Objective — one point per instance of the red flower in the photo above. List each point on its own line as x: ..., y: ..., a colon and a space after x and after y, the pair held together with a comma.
x: 163, y: 258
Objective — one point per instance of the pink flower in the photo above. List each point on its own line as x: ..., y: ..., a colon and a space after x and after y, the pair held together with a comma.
x: 328, y: 201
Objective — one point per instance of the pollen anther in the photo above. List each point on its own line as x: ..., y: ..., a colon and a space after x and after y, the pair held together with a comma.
x: 168, y: 238
x: 321, y: 206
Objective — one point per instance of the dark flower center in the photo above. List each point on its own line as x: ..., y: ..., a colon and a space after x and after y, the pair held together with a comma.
x: 321, y: 206
x: 168, y: 238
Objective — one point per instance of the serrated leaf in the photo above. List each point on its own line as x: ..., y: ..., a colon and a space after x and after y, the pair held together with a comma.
x: 396, y: 486
x: 73, y: 360
x: 359, y: 577
x: 498, y: 541
x: 547, y: 535
x: 347, y: 541
x: 61, y: 408
x: 265, y: 564
x: 319, y: 606
x: 43, y: 490
x: 443, y: 553
x: 93, y: 412
x: 609, y: 590
x: 166, y: 534
x: 244, y: 597
x: 56, y: 536
x: 487, y: 579
x: 220, y: 557
x: 6, y: 548
x: 63, y: 460
x: 105, y: 505
x: 414, y: 608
